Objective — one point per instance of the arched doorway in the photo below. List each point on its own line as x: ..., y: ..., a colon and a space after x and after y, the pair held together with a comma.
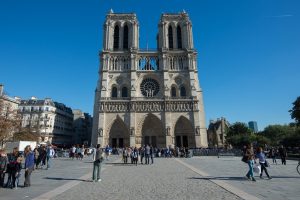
x: 119, y: 134
x: 184, y: 133
x: 152, y: 132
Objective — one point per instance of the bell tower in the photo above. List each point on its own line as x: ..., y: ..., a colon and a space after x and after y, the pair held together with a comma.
x: 120, y: 32
x: 175, y: 32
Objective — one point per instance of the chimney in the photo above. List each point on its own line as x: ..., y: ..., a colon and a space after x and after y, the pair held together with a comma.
x: 1, y: 89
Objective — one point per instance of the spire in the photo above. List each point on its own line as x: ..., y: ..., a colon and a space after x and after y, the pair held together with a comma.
x: 111, y: 11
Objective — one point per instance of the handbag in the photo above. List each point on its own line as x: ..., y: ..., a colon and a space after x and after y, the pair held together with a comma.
x: 245, y: 159
x: 266, y: 164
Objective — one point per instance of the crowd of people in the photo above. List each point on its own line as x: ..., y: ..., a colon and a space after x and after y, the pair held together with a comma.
x: 11, y: 164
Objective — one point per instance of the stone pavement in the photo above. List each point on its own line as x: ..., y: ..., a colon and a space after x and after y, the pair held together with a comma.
x: 167, y: 178
x: 284, y: 185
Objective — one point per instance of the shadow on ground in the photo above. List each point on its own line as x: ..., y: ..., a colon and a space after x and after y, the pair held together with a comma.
x: 66, y: 179
x: 238, y: 178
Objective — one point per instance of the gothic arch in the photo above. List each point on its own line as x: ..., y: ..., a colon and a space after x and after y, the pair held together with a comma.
x: 152, y: 131
x: 116, y: 37
x: 170, y: 37
x: 126, y: 36
x: 179, y: 37
x: 184, y: 133
x: 118, y: 133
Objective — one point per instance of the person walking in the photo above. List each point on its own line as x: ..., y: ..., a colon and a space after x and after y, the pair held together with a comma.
x: 263, y: 162
x: 12, y: 167
x: 250, y: 160
x: 273, y: 155
x: 151, y: 153
x: 147, y: 154
x: 107, y: 149
x: 29, y: 165
x: 97, y: 164
x: 125, y: 155
x: 142, y: 153
x: 50, y: 155
x: 283, y: 154
x: 3, y: 166
x: 135, y: 155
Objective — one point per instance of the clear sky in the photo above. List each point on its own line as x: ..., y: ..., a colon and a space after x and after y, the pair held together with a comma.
x: 248, y: 51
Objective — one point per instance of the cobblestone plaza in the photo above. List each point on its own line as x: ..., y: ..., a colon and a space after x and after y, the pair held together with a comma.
x: 167, y: 178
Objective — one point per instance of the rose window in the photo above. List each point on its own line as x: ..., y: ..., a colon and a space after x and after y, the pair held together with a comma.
x: 149, y: 87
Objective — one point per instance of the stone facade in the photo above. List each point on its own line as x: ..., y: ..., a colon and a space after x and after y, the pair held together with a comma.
x: 82, y: 127
x: 148, y: 96
x: 216, y: 133
x: 52, y: 120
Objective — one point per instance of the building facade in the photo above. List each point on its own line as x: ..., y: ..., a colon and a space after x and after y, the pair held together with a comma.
x: 148, y: 96
x: 82, y: 125
x: 253, y: 126
x: 216, y: 133
x: 52, y: 120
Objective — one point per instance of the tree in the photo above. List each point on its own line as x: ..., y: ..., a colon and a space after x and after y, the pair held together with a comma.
x: 276, y: 133
x: 9, y: 121
x: 239, y: 135
x: 295, y: 111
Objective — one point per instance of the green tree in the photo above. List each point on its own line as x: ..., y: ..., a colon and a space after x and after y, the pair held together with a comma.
x: 239, y: 135
x: 276, y: 133
x: 295, y: 111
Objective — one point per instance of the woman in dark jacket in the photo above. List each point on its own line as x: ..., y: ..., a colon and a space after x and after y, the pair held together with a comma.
x: 12, y: 168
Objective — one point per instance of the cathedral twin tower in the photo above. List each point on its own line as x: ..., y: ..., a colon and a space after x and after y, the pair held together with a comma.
x: 148, y: 96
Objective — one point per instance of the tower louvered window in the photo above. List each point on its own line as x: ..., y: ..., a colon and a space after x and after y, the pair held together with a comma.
x: 125, y: 38
x: 116, y: 37
x: 170, y: 35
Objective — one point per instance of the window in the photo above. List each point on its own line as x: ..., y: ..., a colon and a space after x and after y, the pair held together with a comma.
x: 149, y: 87
x: 173, y: 92
x: 182, y: 91
x: 125, y: 38
x: 170, y: 35
x: 116, y: 37
x: 179, y: 41
x: 114, y: 92
x: 124, y: 92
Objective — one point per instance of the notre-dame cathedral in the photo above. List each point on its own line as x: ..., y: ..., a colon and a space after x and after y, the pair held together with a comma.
x: 148, y: 96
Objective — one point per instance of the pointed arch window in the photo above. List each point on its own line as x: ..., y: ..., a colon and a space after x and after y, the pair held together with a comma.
x: 173, y: 92
x: 124, y: 92
x: 125, y: 37
x: 114, y: 92
x: 182, y: 91
x: 170, y: 37
x: 179, y: 40
x: 116, y: 37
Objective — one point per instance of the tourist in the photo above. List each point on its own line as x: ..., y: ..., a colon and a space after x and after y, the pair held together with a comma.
x: 36, y: 157
x: 263, y: 162
x: 147, y: 154
x: 97, y: 164
x: 107, y: 152
x: 283, y: 154
x: 151, y: 153
x: 29, y: 165
x: 18, y: 172
x: 142, y: 153
x: 250, y: 160
x: 125, y: 155
x: 12, y: 168
x: 3, y: 166
x: 135, y: 156
x: 273, y: 155
x: 50, y: 155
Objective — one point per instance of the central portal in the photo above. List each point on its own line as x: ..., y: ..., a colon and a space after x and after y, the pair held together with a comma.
x: 153, y: 132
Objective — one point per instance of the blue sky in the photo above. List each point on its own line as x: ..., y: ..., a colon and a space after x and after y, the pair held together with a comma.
x: 248, y: 51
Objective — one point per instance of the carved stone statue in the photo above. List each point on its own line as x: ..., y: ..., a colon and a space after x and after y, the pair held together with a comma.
x: 100, y: 132
x: 132, y: 131
x: 168, y: 130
